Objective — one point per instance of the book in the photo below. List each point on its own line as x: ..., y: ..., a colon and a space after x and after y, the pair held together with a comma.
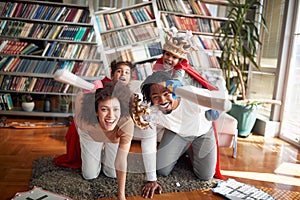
x: 4, y: 99
x: 86, y: 34
x: 99, y: 24
x: 122, y: 19
x: 77, y: 15
x: 9, y: 64
x: 129, y: 18
x: 59, y: 13
x: 14, y: 65
x: 84, y: 17
x: 54, y: 13
x: 65, y: 14
x: 44, y: 12
x: 48, y: 12
x: 148, y: 11
x: 26, y: 10
x: 185, y: 6
x: 3, y: 44
x: 204, y: 8
x: 46, y: 49
x: 3, y: 62
x: 29, y: 48
x: 18, y: 10
x: 12, y: 10
x: 2, y: 106
x: 32, y: 84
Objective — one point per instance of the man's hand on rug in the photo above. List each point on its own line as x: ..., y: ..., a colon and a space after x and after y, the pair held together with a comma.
x: 150, y: 188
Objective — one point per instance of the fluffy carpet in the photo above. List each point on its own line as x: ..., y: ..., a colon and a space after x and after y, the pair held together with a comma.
x: 69, y: 182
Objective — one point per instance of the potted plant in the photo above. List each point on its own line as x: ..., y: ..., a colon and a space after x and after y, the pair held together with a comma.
x: 64, y: 103
x: 240, y: 39
x: 27, y: 102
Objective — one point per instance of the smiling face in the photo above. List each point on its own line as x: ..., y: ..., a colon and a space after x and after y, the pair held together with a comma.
x: 122, y: 74
x: 169, y: 60
x: 161, y: 97
x: 108, y: 113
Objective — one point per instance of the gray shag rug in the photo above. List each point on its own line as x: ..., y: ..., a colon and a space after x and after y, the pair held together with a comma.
x: 69, y: 182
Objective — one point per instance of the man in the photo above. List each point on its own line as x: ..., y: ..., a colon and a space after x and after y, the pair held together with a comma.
x: 186, y: 128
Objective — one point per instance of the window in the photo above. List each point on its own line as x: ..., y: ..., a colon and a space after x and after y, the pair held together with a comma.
x: 262, y: 82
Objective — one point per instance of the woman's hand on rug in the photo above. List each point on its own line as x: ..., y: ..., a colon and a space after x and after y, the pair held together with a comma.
x: 121, y: 198
x: 150, y: 188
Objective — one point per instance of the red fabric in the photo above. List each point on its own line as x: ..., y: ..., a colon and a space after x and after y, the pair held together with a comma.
x: 193, y: 73
x: 72, y: 158
x: 188, y: 68
x: 218, y: 167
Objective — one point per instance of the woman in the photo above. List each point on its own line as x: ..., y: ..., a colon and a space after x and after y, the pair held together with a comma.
x: 110, y: 124
x: 120, y: 71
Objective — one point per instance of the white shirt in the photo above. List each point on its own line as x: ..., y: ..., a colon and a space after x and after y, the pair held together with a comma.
x: 188, y: 119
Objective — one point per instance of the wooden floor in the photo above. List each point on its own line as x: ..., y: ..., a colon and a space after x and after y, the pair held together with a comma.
x: 256, y: 162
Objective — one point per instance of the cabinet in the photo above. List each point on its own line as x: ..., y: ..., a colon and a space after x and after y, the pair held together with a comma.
x: 130, y: 33
x: 37, y: 38
x: 203, y: 18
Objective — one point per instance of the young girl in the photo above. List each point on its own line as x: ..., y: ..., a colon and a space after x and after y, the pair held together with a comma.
x: 174, y: 60
x: 106, y: 123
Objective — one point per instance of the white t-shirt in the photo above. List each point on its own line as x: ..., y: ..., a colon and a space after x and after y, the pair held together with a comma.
x: 188, y: 119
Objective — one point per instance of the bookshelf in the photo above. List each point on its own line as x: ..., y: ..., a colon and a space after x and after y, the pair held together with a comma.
x: 36, y: 39
x: 130, y: 33
x: 203, y: 18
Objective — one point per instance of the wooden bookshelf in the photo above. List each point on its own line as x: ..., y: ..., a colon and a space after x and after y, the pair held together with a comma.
x: 195, y: 16
x: 130, y: 33
x: 36, y: 39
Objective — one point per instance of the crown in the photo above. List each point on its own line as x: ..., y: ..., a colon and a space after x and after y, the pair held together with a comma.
x: 177, y: 44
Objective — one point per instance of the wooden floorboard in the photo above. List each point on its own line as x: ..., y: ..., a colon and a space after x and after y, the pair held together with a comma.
x: 257, y: 159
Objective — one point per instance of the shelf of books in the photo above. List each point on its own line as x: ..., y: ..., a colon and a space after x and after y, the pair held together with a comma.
x: 36, y: 39
x: 130, y: 33
x: 203, y: 18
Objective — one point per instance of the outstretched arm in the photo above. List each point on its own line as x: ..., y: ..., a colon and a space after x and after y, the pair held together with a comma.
x: 148, y: 145
x: 126, y: 133
x: 121, y: 166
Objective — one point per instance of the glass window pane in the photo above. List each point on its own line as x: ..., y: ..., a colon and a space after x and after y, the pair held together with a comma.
x: 262, y: 82
x: 291, y: 117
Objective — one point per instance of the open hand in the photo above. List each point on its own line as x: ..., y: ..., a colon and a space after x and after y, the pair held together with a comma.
x: 149, y: 189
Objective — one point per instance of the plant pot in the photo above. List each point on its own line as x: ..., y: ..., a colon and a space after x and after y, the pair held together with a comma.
x: 246, y: 117
x: 28, y: 106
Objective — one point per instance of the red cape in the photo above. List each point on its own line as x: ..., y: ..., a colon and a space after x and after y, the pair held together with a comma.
x: 188, y: 69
